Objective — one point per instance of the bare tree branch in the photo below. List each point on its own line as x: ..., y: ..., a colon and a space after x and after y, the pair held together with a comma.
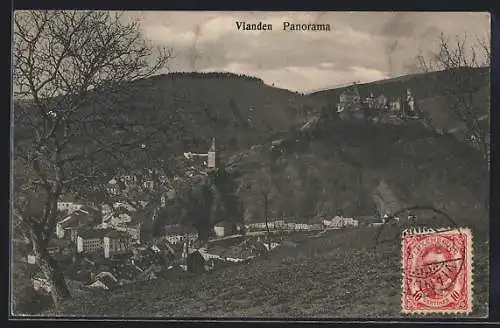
x: 65, y: 63
x: 459, y: 61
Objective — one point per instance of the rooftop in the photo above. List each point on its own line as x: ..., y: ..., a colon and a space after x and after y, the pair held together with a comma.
x: 178, y: 229
x: 101, y: 233
x: 85, y: 214
x: 143, y: 217
x: 108, y: 281
x: 59, y: 242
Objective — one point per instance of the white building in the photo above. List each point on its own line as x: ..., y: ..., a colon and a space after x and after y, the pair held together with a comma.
x: 115, y: 242
x: 175, y: 239
x: 113, y: 187
x: 223, y: 228
x: 41, y: 284
x: 177, y: 233
x: 69, y: 207
x: 302, y: 226
x: 31, y: 259
x: 108, y: 241
x: 89, y: 243
x: 340, y: 222
x: 219, y: 231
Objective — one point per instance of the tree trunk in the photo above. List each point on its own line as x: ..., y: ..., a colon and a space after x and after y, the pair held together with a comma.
x: 53, y: 274
x: 203, y: 232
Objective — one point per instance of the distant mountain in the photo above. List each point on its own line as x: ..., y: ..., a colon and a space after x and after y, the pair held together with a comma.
x: 336, y: 167
x: 238, y: 110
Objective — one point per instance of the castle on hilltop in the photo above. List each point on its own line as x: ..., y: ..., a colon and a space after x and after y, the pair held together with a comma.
x: 351, y: 103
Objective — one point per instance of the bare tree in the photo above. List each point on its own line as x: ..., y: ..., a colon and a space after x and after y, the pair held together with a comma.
x: 461, y: 79
x: 70, y: 68
x: 265, y: 185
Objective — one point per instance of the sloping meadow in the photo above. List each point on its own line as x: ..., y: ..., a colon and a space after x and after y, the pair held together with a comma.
x: 339, y: 274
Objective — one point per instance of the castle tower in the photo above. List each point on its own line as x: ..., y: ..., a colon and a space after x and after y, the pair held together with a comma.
x: 212, y: 160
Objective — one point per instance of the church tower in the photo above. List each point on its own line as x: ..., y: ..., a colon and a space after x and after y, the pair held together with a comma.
x: 212, y: 155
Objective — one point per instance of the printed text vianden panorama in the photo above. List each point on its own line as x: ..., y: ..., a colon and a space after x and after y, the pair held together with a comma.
x: 285, y: 26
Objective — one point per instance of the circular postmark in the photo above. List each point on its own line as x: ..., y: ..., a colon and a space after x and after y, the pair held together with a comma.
x: 412, y: 218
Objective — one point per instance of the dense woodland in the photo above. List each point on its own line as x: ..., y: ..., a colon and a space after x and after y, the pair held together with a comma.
x: 332, y: 172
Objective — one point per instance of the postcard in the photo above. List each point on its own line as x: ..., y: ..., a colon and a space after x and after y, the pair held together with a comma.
x: 250, y: 165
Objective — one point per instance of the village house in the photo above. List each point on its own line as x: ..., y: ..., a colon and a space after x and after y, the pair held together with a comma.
x: 90, y: 241
x: 41, y: 284
x: 225, y: 228
x: 128, y: 178
x: 59, y: 249
x: 279, y: 224
x: 118, y: 207
x: 116, y: 242
x: 104, y: 282
x: 302, y: 226
x: 316, y: 226
x: 221, y: 229
x: 141, y: 225
x: 82, y: 217
x: 68, y: 207
x: 200, y: 261
x: 271, y: 246
x: 61, y: 246
x: 121, y: 183
x: 113, y: 187
x: 126, y: 271
x: 340, y: 222
x: 107, y: 241
x: 30, y: 258
x: 260, y: 226
x: 276, y: 144
x: 121, y: 213
x: 273, y: 225
x: 176, y: 233
x: 103, y: 274
x: 68, y: 203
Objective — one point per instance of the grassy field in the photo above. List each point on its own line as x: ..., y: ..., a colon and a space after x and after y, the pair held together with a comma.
x: 337, y: 275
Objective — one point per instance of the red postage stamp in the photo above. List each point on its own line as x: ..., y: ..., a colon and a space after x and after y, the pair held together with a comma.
x: 437, y: 271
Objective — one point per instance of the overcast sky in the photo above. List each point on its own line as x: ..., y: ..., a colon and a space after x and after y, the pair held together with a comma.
x: 361, y: 46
